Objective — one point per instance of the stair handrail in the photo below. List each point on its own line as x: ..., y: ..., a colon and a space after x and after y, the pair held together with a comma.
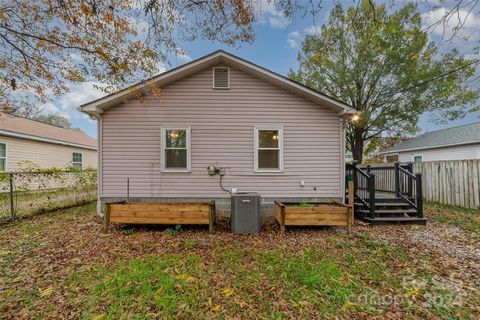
x: 418, y: 199
x: 370, y: 177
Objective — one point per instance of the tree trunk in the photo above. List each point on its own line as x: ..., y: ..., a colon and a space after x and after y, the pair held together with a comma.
x: 356, y: 141
x: 357, y: 149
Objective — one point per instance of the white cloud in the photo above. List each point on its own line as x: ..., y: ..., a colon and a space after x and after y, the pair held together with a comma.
x: 457, y: 26
x: 313, y: 30
x: 267, y: 11
x: 184, y: 57
x: 293, y: 39
x: 67, y: 104
x: 279, y: 21
x: 48, y: 108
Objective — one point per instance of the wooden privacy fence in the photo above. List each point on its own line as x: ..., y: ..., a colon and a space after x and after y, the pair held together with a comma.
x: 455, y: 182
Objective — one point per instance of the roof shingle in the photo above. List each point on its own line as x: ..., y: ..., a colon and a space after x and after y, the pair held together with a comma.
x: 37, y: 129
x: 469, y: 133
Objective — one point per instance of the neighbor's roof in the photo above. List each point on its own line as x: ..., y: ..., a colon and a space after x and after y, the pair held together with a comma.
x: 465, y: 134
x: 95, y: 108
x: 23, y: 128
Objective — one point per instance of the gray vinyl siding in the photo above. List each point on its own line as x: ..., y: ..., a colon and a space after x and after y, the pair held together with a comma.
x: 222, y: 132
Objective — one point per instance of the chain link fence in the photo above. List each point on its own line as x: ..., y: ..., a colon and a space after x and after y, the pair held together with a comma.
x: 26, y: 193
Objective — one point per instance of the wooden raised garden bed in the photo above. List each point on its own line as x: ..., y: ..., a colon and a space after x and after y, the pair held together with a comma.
x: 161, y: 213
x: 331, y: 213
x: 313, y: 214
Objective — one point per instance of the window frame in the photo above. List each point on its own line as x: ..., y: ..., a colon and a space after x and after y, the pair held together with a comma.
x: 213, y: 78
x: 280, y: 168
x: 73, y: 158
x: 163, y: 148
x: 417, y: 155
x: 6, y: 157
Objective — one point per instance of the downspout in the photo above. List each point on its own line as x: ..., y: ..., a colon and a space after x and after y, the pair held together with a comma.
x: 99, y: 167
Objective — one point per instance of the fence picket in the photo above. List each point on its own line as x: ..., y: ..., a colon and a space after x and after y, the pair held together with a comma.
x: 455, y: 182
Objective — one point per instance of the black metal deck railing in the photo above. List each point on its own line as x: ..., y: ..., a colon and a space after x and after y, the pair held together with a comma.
x: 372, y: 183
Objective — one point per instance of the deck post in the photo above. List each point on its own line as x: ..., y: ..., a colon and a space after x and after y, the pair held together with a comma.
x: 371, y: 192
x: 410, y: 180
x: 351, y: 205
x: 397, y: 178
x: 354, y: 176
x: 106, y: 217
x: 282, y: 219
x: 419, y: 194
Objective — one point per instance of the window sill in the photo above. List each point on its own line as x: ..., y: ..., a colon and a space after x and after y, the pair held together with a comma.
x: 177, y: 170
x: 269, y: 171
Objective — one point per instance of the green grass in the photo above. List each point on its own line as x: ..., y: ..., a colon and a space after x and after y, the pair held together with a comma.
x: 246, y: 282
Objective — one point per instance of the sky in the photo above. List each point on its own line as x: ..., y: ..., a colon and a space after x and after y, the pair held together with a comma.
x: 276, y: 46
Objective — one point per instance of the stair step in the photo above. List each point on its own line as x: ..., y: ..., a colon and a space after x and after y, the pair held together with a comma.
x: 386, y: 204
x: 390, y: 220
x: 389, y: 211
x: 392, y: 199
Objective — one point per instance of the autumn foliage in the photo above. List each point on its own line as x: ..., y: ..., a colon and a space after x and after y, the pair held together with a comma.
x: 47, y: 44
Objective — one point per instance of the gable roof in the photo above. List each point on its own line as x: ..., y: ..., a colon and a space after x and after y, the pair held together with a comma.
x: 96, y: 107
x: 465, y: 134
x: 23, y: 128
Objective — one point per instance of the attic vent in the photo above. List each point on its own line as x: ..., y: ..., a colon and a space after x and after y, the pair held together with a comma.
x: 221, y: 78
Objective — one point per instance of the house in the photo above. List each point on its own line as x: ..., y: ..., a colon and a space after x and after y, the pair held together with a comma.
x: 264, y: 132
x: 45, y: 145
x: 457, y: 143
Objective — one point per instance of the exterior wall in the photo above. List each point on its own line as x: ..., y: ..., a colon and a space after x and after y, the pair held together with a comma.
x: 222, y: 132
x: 465, y: 152
x: 46, y: 155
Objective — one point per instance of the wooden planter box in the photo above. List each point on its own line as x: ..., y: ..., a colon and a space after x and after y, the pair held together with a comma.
x: 315, y: 214
x: 161, y: 213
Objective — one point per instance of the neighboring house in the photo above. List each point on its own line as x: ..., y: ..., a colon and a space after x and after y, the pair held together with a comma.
x: 457, y: 143
x: 45, y: 145
x: 268, y: 133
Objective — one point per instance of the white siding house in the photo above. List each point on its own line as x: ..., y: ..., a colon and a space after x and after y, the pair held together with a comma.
x: 44, y: 145
x: 457, y: 143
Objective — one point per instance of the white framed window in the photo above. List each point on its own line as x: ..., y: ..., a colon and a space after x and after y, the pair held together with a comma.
x: 176, y: 150
x: 221, y: 78
x: 77, y: 160
x: 417, y: 158
x: 3, y: 156
x: 268, y: 149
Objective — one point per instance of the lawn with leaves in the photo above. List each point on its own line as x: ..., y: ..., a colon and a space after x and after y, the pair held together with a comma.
x: 62, y: 265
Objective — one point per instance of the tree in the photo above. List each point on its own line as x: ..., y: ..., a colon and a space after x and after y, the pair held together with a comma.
x: 385, y: 66
x: 46, y: 44
x: 55, y: 120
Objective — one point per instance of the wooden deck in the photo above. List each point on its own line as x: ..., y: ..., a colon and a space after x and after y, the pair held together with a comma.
x: 386, y: 193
